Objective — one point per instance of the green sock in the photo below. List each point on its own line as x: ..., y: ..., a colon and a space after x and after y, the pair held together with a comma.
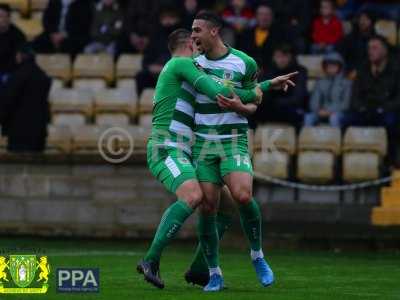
x: 199, y: 263
x: 208, y: 236
x: 170, y: 224
x: 250, y: 218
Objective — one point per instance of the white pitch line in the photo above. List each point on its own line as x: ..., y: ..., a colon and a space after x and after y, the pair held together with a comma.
x: 91, y: 253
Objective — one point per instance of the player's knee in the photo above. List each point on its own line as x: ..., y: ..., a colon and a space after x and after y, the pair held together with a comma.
x: 194, y: 197
x: 242, y: 196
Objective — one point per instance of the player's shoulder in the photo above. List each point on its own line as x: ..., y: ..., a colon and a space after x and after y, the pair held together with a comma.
x: 249, y: 62
x: 243, y: 56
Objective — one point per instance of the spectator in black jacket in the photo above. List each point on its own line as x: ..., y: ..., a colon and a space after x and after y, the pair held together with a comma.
x: 260, y: 41
x: 294, y: 17
x: 157, y: 54
x: 280, y: 106
x: 24, y: 107
x: 66, y: 26
x: 354, y: 45
x: 11, y: 38
x: 376, y: 91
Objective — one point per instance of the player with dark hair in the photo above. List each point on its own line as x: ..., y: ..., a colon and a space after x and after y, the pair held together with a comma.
x: 221, y: 153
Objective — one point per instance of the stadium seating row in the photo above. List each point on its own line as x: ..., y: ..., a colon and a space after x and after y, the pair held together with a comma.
x: 318, y: 150
x: 90, y: 66
x: 110, y: 106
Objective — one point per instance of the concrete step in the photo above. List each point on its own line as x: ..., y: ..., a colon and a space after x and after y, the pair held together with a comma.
x: 390, y: 197
x: 396, y: 181
x: 384, y: 216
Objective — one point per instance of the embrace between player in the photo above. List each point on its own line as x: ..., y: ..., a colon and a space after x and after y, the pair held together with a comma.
x: 199, y: 144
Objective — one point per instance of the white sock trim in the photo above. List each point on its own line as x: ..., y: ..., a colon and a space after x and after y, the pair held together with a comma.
x: 216, y: 270
x: 256, y: 254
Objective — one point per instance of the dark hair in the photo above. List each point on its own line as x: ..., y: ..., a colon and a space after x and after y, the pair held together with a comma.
x: 6, y: 8
x: 333, y: 3
x: 211, y: 17
x: 380, y: 38
x: 285, y: 48
x: 178, y: 38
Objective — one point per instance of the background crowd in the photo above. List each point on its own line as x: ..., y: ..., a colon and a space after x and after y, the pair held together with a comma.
x: 361, y: 78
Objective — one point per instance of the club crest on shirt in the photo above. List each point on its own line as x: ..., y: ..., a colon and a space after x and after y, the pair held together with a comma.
x: 228, y: 75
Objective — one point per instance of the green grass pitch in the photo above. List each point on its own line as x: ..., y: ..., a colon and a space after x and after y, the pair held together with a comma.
x: 299, y: 274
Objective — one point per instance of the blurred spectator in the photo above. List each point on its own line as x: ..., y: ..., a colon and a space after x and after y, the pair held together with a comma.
x: 331, y: 95
x: 384, y: 9
x: 24, y: 107
x: 294, y: 17
x: 280, y: 106
x: 327, y: 29
x: 259, y: 42
x: 66, y: 26
x: 106, y: 27
x: 190, y: 9
x: 135, y: 41
x: 347, y: 8
x: 354, y: 45
x: 11, y: 38
x: 239, y: 16
x: 157, y: 54
x: 376, y: 92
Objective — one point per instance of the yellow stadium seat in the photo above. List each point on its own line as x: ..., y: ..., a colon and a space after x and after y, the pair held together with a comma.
x: 129, y: 65
x: 140, y: 136
x: 56, y: 65
x: 72, y: 120
x: 94, y: 66
x: 145, y: 120
x: 360, y: 166
x: 316, y: 166
x: 116, y: 101
x: 320, y: 138
x: 113, y: 119
x: 129, y: 83
x: 313, y: 64
x: 19, y: 5
x: 271, y: 137
x: 85, y: 139
x: 370, y: 139
x: 146, y: 101
x: 56, y: 84
x: 30, y: 27
x: 388, y: 29
x: 93, y: 85
x: 59, y: 139
x: 274, y: 164
x: 71, y: 101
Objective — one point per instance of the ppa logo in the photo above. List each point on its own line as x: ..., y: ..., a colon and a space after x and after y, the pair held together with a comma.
x: 78, y: 280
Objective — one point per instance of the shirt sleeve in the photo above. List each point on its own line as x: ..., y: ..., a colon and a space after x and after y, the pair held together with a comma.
x: 188, y: 70
x: 250, y: 78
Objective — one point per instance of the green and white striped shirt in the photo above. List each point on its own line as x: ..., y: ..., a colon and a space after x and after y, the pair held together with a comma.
x: 235, y: 69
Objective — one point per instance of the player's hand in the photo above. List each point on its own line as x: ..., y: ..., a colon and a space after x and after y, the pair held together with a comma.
x: 232, y: 104
x: 283, y: 82
x: 259, y: 95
